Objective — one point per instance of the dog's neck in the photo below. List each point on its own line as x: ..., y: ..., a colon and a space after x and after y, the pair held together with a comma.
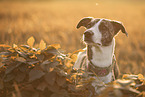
x: 101, y: 56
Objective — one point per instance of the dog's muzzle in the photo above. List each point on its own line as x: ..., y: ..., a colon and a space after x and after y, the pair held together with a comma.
x: 88, y: 36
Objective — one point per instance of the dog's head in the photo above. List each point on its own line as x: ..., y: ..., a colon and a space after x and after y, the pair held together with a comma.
x: 100, y: 31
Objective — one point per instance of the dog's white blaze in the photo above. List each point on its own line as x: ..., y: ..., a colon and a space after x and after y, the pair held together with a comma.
x: 97, y: 34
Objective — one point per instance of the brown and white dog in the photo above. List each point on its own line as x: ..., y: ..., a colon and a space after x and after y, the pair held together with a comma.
x: 98, y: 56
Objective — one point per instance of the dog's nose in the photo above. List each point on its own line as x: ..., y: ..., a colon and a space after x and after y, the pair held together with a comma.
x: 88, y: 33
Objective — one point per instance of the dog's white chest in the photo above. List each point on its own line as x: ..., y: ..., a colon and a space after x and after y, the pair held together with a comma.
x: 102, y: 56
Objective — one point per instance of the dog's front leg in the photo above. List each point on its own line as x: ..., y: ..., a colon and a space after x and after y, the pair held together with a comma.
x: 81, y: 61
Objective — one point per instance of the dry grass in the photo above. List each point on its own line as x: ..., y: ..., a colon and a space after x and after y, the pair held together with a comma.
x: 55, y: 22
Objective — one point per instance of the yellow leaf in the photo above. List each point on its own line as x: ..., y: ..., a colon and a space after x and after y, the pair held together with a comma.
x: 124, y: 83
x: 130, y: 76
x: 31, y: 41
x: 4, y: 45
x: 57, y: 46
x: 71, y: 54
x: 73, y: 57
x: 15, y: 46
x: 42, y: 45
x: 1, y: 64
x: 51, y: 69
x: 125, y: 76
x: 80, y: 50
x: 69, y: 64
x: 140, y: 77
x: 33, y: 56
x: 68, y: 71
x: 74, y: 76
x: 21, y: 59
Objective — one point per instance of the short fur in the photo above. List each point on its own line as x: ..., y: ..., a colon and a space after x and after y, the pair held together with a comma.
x: 100, y: 45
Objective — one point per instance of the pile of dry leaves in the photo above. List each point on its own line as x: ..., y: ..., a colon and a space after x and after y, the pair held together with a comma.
x: 45, y: 72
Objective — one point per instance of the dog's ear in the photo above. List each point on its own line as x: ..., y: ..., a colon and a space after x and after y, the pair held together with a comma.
x: 84, y: 22
x: 119, y: 26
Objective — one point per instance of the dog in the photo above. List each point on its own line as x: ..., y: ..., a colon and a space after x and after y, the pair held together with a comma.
x: 98, y: 56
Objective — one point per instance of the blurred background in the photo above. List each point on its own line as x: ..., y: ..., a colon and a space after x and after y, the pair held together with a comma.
x: 55, y: 22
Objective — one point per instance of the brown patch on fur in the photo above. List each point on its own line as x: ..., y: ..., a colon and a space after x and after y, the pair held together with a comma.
x: 107, y: 30
x: 92, y: 23
x: 118, y: 26
x: 84, y: 22
x: 87, y: 22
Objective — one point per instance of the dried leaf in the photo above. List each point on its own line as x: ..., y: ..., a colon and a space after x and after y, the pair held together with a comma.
x: 54, y: 88
x: 129, y: 76
x: 32, y: 62
x: 1, y: 84
x: 141, y: 88
x: 36, y: 94
x: 60, y: 80
x: 42, y: 86
x: 89, y: 80
x: 4, y: 45
x: 57, y: 46
x: 28, y: 87
x: 57, y: 95
x: 21, y: 59
x: 10, y: 69
x: 15, y: 46
x: 22, y: 54
x: 72, y: 87
x: 74, y: 57
x: 31, y: 41
x: 23, y: 68
x: 74, y: 76
x: 51, y: 66
x: 62, y: 73
x: 50, y: 77
x: 80, y: 50
x: 26, y: 93
x: 42, y: 45
x: 132, y: 91
x: 20, y: 76
x: 5, y: 53
x: 9, y: 77
x: 44, y: 64
x: 141, y: 77
x: 124, y: 83
x: 40, y: 57
x: 1, y: 64
x: 35, y: 74
x: 25, y: 47
x: 50, y: 69
x: 69, y: 64
x: 80, y: 87
x: 50, y: 50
